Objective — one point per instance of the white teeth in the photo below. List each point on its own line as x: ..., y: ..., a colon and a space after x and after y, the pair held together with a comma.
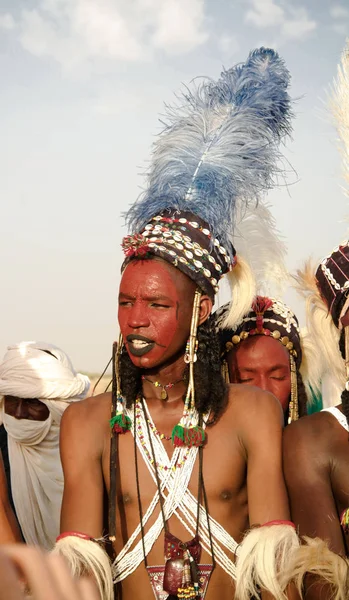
x: 139, y: 343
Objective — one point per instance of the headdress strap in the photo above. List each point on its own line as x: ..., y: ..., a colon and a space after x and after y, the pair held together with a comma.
x: 293, y: 412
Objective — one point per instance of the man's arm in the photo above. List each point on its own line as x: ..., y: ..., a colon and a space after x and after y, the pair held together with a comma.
x: 261, y: 424
x: 307, y: 474
x: 313, y: 509
x: 81, y: 445
x: 262, y: 440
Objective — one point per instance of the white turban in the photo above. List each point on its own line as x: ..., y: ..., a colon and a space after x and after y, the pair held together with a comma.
x: 29, y: 371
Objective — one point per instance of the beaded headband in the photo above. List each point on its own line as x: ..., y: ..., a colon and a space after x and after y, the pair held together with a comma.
x: 185, y: 241
x: 332, y: 279
x: 268, y: 317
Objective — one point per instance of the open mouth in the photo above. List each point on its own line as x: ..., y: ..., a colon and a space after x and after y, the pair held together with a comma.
x: 139, y: 345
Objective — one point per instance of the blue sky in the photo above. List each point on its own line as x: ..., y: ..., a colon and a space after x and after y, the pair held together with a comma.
x: 82, y: 84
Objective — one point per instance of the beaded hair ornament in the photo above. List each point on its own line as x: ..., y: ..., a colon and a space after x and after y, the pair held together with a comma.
x: 269, y: 317
x: 216, y: 157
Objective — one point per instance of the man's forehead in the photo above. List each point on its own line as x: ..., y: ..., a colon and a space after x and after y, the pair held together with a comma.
x: 155, y: 274
x: 264, y: 344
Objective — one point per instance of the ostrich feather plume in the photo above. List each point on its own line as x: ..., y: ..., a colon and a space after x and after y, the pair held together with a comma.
x: 322, y: 334
x: 219, y: 149
x: 340, y: 108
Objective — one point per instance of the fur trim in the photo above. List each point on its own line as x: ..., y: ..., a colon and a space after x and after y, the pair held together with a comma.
x: 263, y: 557
x: 315, y: 558
x: 87, y: 557
x: 243, y: 291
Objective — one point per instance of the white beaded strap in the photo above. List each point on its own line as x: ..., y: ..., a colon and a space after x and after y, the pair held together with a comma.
x: 179, y: 501
x: 342, y: 420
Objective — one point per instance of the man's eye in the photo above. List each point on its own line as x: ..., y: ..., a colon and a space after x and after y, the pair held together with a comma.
x: 159, y: 305
x: 245, y: 380
x: 282, y: 378
x: 125, y: 303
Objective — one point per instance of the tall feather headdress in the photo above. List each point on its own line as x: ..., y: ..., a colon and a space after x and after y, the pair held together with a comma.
x: 217, y: 156
x: 326, y: 287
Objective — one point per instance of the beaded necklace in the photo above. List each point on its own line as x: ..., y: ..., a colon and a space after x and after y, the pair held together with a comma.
x: 139, y: 410
x: 167, y: 386
x: 181, y: 575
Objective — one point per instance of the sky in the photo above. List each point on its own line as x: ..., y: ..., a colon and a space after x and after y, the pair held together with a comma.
x: 83, y: 83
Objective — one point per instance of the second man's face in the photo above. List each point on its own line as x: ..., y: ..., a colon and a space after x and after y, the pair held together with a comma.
x: 264, y: 362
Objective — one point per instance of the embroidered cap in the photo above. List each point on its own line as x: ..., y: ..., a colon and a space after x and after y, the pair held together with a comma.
x: 332, y: 279
x: 269, y: 317
x: 185, y: 241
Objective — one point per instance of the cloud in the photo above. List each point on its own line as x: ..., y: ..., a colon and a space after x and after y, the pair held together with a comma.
x: 337, y: 11
x: 178, y: 26
x: 228, y: 45
x: 74, y: 32
x: 340, y: 28
x: 291, y: 22
x: 7, y: 22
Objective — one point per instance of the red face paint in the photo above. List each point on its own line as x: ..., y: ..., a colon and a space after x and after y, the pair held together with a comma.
x: 264, y: 362
x: 155, y: 308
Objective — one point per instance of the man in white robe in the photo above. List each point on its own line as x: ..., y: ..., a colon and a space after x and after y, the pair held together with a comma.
x: 37, y: 384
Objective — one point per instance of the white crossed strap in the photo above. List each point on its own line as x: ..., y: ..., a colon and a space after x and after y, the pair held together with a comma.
x: 174, y: 476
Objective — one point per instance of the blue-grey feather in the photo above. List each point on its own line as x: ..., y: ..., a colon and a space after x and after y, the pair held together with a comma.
x: 220, y: 146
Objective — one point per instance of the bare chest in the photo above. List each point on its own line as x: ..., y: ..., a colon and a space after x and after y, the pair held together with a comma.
x: 224, y: 473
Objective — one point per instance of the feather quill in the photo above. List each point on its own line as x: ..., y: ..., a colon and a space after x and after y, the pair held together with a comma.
x: 219, y: 149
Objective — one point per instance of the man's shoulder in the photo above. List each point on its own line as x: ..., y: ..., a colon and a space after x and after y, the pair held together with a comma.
x: 250, y: 400
x: 92, y: 411
x: 314, y: 430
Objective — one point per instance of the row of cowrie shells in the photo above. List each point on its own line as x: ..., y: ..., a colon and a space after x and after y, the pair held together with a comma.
x: 180, y: 241
x: 205, y: 231
x: 330, y: 276
x: 287, y: 325
x: 183, y: 260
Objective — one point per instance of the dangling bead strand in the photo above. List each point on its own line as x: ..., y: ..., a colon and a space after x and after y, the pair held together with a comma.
x: 187, y: 432
x: 119, y: 422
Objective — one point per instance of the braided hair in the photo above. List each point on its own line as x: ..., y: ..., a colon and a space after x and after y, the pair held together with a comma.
x: 302, y: 396
x: 345, y: 393
x: 210, y: 387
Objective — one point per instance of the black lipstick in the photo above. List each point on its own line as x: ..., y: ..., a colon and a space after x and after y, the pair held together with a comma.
x: 139, y: 351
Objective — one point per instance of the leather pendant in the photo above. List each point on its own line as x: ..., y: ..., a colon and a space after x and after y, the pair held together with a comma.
x: 173, y: 575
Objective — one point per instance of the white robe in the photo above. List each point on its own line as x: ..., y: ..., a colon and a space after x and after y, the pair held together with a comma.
x: 28, y: 371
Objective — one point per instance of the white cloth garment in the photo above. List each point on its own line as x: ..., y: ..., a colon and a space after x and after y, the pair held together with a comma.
x: 29, y: 371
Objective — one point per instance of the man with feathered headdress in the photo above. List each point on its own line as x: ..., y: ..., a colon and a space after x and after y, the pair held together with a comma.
x: 175, y: 472
x: 316, y: 449
x: 266, y: 350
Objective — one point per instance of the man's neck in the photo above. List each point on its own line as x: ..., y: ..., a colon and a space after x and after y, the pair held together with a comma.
x: 165, y: 384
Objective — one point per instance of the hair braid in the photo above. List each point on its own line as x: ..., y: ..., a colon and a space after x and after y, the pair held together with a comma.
x: 302, y: 396
x: 345, y: 393
x: 210, y: 388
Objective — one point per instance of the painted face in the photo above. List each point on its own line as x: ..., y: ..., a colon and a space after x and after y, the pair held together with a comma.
x: 155, y: 308
x: 263, y: 362
x: 26, y: 408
